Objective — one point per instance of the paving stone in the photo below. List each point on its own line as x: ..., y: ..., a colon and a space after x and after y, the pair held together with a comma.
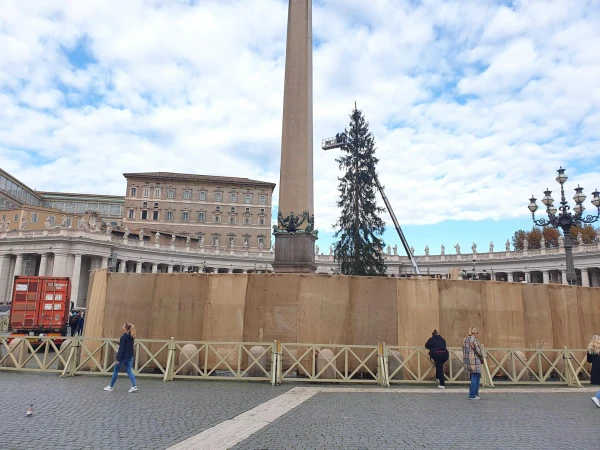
x: 417, y: 421
x: 76, y: 412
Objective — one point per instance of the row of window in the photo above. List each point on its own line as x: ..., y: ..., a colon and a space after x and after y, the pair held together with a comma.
x: 187, y: 195
x: 16, y: 219
x: 8, y: 204
x: 185, y: 217
x: 246, y: 242
x: 217, y: 208
x: 104, y: 209
x: 17, y: 191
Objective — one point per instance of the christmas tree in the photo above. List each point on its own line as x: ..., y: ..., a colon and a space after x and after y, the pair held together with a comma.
x: 359, y: 228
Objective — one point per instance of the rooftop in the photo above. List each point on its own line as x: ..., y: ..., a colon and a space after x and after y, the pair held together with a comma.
x: 97, y: 197
x: 196, y: 177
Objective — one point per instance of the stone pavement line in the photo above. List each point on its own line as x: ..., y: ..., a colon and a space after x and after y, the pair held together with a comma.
x: 434, y: 390
x: 231, y: 432
x: 226, y: 434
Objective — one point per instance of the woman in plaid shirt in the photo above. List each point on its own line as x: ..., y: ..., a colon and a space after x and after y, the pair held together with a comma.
x: 473, y: 359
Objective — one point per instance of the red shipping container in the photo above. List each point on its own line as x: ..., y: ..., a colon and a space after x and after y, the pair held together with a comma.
x: 40, y: 305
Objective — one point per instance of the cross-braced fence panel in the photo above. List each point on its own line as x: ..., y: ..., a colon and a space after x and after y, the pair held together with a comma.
x: 329, y: 363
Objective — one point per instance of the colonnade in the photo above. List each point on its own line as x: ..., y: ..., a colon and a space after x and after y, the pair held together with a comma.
x: 77, y: 266
x: 133, y: 266
x: 74, y: 253
x: 587, y: 277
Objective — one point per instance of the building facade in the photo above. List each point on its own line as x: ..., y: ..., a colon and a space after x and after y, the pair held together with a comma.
x: 222, y: 212
x: 191, y: 223
x: 546, y: 265
x: 74, y: 253
x: 15, y: 194
x: 29, y: 217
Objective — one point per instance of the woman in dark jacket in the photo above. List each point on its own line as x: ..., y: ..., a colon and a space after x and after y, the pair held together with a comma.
x: 439, y: 353
x: 125, y: 357
x: 593, y: 356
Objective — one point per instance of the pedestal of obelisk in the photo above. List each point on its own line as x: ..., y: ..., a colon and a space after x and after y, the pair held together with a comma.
x: 294, y: 234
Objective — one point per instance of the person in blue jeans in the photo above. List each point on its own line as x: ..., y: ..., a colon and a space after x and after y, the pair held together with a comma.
x: 473, y: 359
x: 593, y: 357
x: 125, y: 357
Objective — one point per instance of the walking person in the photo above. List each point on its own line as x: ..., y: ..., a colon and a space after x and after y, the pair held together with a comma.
x: 593, y: 357
x: 125, y: 357
x: 473, y: 360
x: 439, y: 354
x: 80, y: 323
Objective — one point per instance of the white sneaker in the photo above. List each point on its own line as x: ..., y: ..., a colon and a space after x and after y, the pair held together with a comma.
x: 132, y: 389
x: 475, y: 398
x: 441, y: 387
x: 596, y: 401
x: 108, y: 388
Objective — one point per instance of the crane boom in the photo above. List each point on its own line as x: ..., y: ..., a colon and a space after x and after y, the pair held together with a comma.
x: 413, y: 261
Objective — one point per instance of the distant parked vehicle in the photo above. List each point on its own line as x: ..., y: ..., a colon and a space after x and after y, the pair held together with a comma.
x: 40, y: 307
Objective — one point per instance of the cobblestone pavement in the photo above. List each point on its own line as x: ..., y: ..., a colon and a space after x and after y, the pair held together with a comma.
x: 75, y: 413
x: 444, y: 420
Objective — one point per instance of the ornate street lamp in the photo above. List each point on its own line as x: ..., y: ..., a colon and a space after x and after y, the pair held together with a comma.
x: 565, y: 219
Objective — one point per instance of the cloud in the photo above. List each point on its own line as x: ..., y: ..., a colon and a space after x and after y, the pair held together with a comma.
x: 473, y: 104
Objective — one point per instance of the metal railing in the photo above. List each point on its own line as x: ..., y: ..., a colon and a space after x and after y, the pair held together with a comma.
x: 328, y: 363
x: 279, y: 362
x: 409, y: 364
x: 222, y: 360
x: 42, y: 354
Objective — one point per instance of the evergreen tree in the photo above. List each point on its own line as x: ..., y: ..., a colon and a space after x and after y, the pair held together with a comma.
x: 359, y: 228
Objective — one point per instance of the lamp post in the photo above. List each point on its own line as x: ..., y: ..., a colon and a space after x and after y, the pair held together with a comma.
x: 565, y: 220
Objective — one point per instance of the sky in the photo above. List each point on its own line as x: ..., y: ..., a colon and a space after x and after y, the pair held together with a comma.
x: 473, y: 105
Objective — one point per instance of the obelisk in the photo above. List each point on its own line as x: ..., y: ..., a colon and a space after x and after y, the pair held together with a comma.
x: 295, y: 236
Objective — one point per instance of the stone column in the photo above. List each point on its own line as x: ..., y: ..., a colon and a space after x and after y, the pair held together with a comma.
x: 75, y: 280
x: 595, y: 279
x: 509, y: 277
x: 19, y: 265
x: 563, y: 275
x: 527, y: 277
x: 104, y: 263
x: 546, y: 276
x: 43, y: 265
x: 296, y: 252
x: 585, y: 278
x: 122, y: 266
x: 60, y: 265
x: 170, y: 268
x: 4, y: 278
x: 154, y: 267
x: 138, y: 267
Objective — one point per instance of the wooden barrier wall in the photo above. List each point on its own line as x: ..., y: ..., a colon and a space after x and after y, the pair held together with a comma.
x: 326, y: 309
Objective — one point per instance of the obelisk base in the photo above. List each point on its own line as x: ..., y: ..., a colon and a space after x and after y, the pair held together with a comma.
x: 294, y: 253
